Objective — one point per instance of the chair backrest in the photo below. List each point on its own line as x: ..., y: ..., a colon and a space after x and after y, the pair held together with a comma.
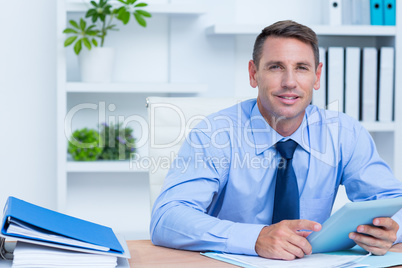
x: 170, y: 119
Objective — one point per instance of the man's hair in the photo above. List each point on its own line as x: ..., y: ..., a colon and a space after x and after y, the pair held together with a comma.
x: 286, y: 29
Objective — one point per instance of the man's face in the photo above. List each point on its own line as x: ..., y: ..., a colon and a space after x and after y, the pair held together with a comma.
x: 285, y: 78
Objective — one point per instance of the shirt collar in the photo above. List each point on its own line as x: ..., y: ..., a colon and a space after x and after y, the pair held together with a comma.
x: 265, y: 136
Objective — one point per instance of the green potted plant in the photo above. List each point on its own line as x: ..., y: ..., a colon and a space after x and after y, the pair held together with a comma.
x: 110, y: 142
x: 96, y: 61
x: 84, y: 145
x: 119, y: 142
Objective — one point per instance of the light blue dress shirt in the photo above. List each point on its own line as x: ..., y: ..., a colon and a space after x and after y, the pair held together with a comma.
x: 219, y: 192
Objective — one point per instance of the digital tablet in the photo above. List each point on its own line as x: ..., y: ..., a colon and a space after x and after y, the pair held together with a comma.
x: 334, y: 234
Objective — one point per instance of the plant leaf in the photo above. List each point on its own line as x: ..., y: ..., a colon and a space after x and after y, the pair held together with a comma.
x: 70, y: 40
x: 141, y: 5
x: 110, y: 27
x: 69, y: 30
x: 94, y: 3
x: 87, y: 43
x: 94, y: 42
x: 90, y: 13
x: 144, y: 13
x: 118, y: 10
x: 124, y: 16
x: 92, y: 33
x: 141, y: 21
x: 95, y: 17
x: 83, y: 24
x: 74, y: 23
x: 78, y: 46
x: 90, y: 27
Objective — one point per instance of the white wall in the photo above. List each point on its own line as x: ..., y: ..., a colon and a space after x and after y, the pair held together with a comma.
x: 28, y: 101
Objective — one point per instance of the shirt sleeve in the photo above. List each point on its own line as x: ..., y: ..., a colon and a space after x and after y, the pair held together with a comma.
x: 182, y: 214
x: 367, y: 177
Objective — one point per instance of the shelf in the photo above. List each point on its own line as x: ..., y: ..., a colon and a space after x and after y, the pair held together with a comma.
x: 323, y: 30
x: 104, y: 166
x: 379, y: 126
x: 135, y: 87
x: 172, y: 9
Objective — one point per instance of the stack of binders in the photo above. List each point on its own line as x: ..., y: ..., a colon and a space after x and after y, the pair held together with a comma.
x: 358, y: 81
x: 46, y: 238
x: 361, y: 12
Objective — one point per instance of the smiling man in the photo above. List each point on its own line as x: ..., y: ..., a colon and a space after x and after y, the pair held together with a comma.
x: 265, y: 169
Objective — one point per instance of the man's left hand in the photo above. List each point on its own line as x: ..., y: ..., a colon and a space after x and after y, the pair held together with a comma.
x: 377, y: 239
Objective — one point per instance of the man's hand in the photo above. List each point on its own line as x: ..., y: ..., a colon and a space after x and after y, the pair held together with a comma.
x: 377, y: 239
x: 283, y: 240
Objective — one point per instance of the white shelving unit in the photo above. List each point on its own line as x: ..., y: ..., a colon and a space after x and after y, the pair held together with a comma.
x: 104, y: 166
x: 154, y: 8
x: 322, y: 30
x: 73, y: 178
x: 78, y: 87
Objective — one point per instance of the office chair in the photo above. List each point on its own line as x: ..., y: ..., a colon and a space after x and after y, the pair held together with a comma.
x: 170, y: 120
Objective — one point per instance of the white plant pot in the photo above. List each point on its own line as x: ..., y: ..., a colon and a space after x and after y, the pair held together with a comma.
x: 97, y: 64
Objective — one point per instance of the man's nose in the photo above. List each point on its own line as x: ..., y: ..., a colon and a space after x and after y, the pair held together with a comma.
x: 289, y: 80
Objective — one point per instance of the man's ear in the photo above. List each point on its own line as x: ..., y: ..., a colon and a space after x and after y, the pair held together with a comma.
x: 318, y: 73
x: 252, y: 72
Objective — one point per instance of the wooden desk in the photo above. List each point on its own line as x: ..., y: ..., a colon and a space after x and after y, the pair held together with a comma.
x: 145, y: 255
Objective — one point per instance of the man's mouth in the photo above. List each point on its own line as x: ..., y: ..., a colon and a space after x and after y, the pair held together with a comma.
x: 288, y: 98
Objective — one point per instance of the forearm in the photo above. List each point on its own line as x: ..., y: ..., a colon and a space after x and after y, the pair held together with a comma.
x: 183, y: 227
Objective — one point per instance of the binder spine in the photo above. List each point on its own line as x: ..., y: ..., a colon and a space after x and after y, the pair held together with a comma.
x: 4, y: 253
x: 389, y: 12
x: 376, y: 12
x: 335, y: 12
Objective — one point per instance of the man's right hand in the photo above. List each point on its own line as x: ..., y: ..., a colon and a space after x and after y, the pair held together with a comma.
x: 284, y: 240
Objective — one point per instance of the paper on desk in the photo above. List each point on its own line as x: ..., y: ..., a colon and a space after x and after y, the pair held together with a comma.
x: 387, y: 260
x: 314, y: 260
x: 31, y: 255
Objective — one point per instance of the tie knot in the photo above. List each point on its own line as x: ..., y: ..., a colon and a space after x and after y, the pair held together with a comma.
x: 287, y: 148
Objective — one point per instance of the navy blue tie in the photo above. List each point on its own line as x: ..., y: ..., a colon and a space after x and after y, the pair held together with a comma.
x: 286, y: 202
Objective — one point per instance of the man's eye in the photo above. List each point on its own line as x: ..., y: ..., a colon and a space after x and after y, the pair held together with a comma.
x: 274, y: 67
x: 302, y: 68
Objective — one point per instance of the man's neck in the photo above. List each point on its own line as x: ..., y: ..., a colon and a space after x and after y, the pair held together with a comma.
x: 284, y: 126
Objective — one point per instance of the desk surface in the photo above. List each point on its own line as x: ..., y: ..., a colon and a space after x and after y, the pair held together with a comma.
x: 144, y: 254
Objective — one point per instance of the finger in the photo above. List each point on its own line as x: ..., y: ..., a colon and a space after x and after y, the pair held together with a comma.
x: 372, y: 231
x: 366, y: 239
x: 378, y: 232
x: 303, y: 225
x: 373, y: 250
x: 303, y: 233
x: 386, y: 223
x: 301, y: 243
x: 295, y: 251
x: 285, y: 255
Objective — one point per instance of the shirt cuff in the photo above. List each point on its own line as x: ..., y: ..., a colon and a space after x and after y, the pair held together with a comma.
x: 398, y: 218
x: 242, y: 238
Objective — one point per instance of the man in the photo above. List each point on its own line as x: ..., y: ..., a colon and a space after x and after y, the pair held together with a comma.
x: 231, y: 198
